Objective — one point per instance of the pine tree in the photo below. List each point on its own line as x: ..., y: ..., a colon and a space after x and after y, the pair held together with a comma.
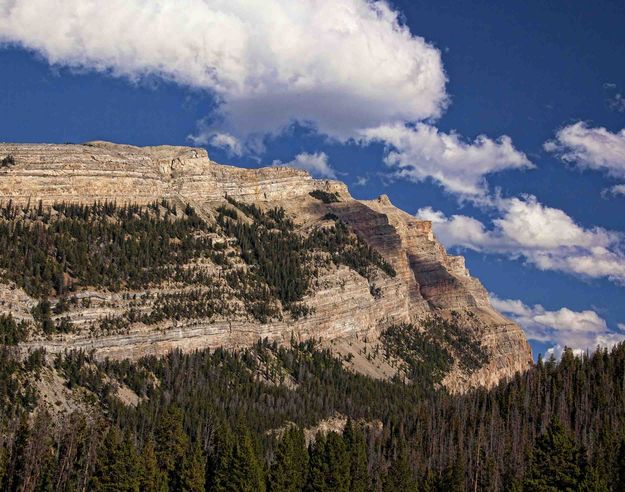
x: 193, y: 477
x: 356, y: 447
x: 453, y: 478
x: 554, y: 464
x: 592, y: 481
x: 288, y: 471
x: 620, y: 468
x: 117, y: 467
x: 171, y: 445
x: 237, y: 467
x: 338, y: 478
x: 152, y: 478
x: 3, y: 463
x: 318, y: 469
x: 399, y: 477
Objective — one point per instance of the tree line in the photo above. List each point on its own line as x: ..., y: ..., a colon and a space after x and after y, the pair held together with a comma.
x: 206, y: 421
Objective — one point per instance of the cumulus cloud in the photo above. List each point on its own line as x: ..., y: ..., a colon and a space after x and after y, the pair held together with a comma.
x: 316, y: 164
x: 336, y: 65
x: 579, y: 330
x: 546, y: 237
x: 615, y: 190
x: 225, y: 141
x: 422, y: 151
x: 590, y: 148
x: 347, y: 69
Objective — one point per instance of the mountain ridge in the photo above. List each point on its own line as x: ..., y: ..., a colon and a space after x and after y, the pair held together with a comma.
x: 347, y: 309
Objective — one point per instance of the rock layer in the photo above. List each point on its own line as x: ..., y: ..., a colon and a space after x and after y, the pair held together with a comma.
x: 428, y: 281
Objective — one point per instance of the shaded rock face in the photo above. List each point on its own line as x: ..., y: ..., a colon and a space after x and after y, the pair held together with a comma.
x: 428, y: 281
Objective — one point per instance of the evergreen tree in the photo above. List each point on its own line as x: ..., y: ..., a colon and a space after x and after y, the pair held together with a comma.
x: 152, y: 478
x: 453, y: 478
x: 117, y: 467
x: 319, y: 468
x: 338, y: 478
x: 356, y: 447
x: 4, y: 458
x: 620, y: 468
x: 592, y: 481
x: 288, y: 471
x: 238, y: 467
x: 399, y: 477
x: 193, y: 477
x: 554, y: 464
x: 171, y: 445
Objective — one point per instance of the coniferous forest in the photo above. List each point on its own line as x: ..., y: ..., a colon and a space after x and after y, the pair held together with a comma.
x: 220, y: 420
x: 270, y: 417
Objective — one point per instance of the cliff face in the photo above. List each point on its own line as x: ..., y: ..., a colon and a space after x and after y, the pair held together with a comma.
x: 428, y: 281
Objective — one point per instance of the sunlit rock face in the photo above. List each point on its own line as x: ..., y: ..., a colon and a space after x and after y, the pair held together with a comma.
x: 428, y: 281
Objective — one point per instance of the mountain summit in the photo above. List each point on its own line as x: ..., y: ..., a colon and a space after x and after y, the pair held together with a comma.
x: 133, y: 251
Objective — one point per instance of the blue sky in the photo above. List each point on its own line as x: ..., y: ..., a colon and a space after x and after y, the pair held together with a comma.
x: 389, y: 98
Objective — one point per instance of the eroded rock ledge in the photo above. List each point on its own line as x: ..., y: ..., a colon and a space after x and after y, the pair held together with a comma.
x: 428, y: 281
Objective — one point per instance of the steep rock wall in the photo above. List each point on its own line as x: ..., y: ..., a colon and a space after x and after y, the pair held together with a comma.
x: 428, y: 280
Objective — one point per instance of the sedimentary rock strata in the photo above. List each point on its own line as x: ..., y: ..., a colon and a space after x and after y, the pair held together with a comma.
x: 428, y: 281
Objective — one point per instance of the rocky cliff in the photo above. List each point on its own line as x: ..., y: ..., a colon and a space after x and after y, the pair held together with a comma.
x: 346, y: 310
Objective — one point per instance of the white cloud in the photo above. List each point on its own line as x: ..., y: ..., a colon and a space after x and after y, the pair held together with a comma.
x: 316, y: 164
x: 339, y: 66
x: 617, y: 103
x: 616, y: 190
x: 348, y: 69
x: 621, y: 326
x: 546, y: 237
x: 579, y: 330
x: 221, y: 140
x: 361, y: 180
x: 422, y: 151
x: 590, y: 148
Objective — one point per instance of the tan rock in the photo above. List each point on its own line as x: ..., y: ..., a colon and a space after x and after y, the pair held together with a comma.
x: 428, y: 280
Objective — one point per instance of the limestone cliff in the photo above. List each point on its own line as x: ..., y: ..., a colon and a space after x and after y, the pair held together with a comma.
x: 345, y: 305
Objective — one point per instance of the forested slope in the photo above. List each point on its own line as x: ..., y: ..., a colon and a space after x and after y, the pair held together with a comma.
x: 219, y: 420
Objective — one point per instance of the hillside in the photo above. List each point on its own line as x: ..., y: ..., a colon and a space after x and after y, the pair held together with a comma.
x: 249, y: 254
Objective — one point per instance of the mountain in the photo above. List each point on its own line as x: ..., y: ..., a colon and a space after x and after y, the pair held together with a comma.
x: 141, y: 250
x: 169, y: 323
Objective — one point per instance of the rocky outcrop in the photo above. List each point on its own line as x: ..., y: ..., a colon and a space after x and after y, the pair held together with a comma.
x: 428, y: 280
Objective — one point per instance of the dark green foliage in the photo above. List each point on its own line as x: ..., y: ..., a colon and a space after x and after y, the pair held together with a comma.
x: 273, y: 249
x: 151, y: 476
x: 237, y: 467
x: 620, y: 467
x: 281, y: 258
x: 12, y: 333
x: 325, y: 196
x: 288, y: 470
x: 425, y: 360
x: 193, y: 476
x: 427, y: 354
x: 462, y: 342
x: 59, y: 249
x: 7, y: 161
x: 117, y: 466
x: 399, y: 477
x: 555, y: 461
x: 171, y: 445
x: 357, y: 449
x: 348, y: 249
x: 17, y: 392
x: 208, y: 417
x: 42, y: 314
x: 453, y: 479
